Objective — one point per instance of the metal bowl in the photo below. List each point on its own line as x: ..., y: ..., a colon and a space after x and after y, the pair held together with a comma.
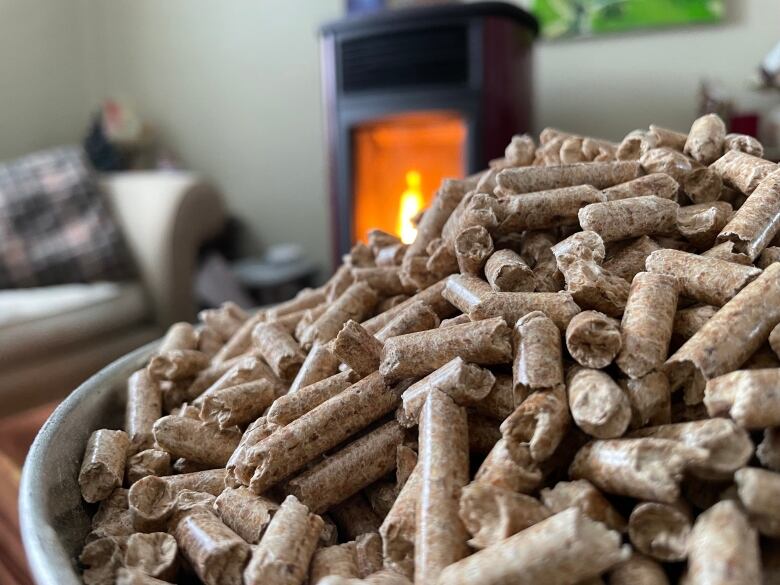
x: 54, y: 519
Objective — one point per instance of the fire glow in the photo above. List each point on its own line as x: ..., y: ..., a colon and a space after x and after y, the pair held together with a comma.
x: 399, y: 161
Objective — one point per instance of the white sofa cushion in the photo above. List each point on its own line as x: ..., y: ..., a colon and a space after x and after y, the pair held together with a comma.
x: 36, y: 320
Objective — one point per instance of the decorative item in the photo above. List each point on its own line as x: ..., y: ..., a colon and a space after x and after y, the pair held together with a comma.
x: 575, y: 18
x: 365, y: 6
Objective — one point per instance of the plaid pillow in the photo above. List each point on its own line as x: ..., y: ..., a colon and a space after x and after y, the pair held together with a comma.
x: 55, y: 226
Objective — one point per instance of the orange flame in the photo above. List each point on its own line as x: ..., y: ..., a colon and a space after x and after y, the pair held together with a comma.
x: 411, y: 203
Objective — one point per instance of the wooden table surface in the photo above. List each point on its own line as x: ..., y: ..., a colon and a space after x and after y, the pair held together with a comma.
x: 16, y: 435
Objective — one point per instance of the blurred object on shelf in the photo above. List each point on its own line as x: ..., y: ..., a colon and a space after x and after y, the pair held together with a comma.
x: 217, y: 283
x: 119, y: 140
x: 714, y: 98
x: 226, y: 274
x: 772, y: 144
x: 769, y: 72
x: 281, y: 272
x: 770, y: 68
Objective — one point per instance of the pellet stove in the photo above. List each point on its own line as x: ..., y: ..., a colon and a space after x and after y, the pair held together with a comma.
x: 416, y: 95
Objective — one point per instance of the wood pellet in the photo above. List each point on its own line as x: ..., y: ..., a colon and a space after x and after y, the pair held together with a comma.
x: 570, y: 376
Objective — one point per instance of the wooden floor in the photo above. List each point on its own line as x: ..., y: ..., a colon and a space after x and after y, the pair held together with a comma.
x: 16, y: 436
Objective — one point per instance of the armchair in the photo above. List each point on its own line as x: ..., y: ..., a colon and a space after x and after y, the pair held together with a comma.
x: 165, y: 217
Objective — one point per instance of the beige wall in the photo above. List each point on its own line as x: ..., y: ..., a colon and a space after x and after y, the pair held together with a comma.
x: 234, y: 87
x: 42, y: 75
x: 609, y: 85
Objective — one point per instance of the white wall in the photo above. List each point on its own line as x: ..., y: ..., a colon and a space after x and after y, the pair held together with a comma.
x: 609, y: 85
x: 42, y: 75
x: 234, y: 89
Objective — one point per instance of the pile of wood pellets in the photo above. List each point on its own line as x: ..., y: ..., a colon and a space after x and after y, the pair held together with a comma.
x: 571, y: 376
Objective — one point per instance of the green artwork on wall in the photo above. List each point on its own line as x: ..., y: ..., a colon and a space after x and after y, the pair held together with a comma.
x: 568, y: 18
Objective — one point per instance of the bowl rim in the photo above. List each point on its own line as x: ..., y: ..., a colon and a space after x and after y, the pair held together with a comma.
x: 46, y: 557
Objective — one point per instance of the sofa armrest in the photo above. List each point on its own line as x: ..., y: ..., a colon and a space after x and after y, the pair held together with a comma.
x: 165, y: 217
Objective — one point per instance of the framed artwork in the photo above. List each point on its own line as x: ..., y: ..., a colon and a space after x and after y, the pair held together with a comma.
x: 575, y: 18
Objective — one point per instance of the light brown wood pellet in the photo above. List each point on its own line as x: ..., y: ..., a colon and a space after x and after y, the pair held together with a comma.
x: 354, y: 516
x: 243, y: 369
x: 440, y: 537
x: 650, y: 398
x: 631, y: 146
x: 491, y: 514
x: 593, y: 339
x: 483, y: 342
x: 238, y: 405
x: 506, y: 271
x: 320, y: 363
x: 541, y: 421
x: 703, y: 185
x: 474, y: 210
x: 309, y: 436
x: 278, y: 349
x: 147, y: 462
x: 727, y: 340
x: 126, y: 576
x: 510, y: 465
x: 668, y: 161
x: 294, y: 405
x: 646, y: 468
x: 354, y: 467
x: 417, y: 316
x: 339, y: 559
x: 742, y: 171
x: 647, y: 323
x: 398, y: 527
x: 103, y: 467
x: 195, y: 440
x: 658, y: 184
x: 638, y: 570
x: 356, y: 303
x: 659, y: 136
x: 153, y: 554
x: 545, y: 209
x: 749, y: 397
x: 245, y: 512
x: 565, y: 548
x: 151, y: 502
x: 284, y: 553
x: 177, y: 364
x: 743, y: 143
x: 357, y: 348
x: 630, y: 218
x: 705, y: 139
x: 660, y: 531
x: 599, y: 175
x: 688, y: 321
x: 583, y: 495
x: 510, y: 306
x: 101, y: 559
x: 729, y: 447
x: 466, y: 384
x: 598, y: 404
x: 723, y: 548
x: 753, y: 225
x: 210, y: 481
x: 144, y: 407
x: 538, y: 361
